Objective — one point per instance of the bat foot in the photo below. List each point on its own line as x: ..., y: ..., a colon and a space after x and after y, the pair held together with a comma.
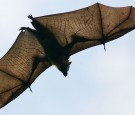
x: 23, y: 28
x: 30, y: 17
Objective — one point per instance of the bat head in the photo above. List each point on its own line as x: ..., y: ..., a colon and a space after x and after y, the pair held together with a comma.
x: 64, y: 68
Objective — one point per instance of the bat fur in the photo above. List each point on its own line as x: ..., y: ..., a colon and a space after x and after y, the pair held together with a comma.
x: 55, y: 53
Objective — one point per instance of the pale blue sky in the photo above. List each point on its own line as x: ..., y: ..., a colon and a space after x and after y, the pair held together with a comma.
x: 99, y: 82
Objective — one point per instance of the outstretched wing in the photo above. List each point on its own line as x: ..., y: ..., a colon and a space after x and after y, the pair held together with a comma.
x: 79, y: 29
x: 94, y: 25
x: 20, y: 66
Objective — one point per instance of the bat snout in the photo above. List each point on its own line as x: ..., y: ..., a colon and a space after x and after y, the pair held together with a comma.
x: 65, y: 74
x: 64, y: 70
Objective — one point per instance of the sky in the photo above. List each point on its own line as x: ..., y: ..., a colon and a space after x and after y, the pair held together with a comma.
x: 99, y: 82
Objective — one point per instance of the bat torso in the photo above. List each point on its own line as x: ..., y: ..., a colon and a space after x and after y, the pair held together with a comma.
x: 56, y: 54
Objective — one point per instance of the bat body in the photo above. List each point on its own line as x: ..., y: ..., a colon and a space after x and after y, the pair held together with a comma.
x: 56, y: 55
x: 54, y: 40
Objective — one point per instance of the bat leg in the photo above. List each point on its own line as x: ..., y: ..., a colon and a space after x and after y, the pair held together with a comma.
x: 37, y: 25
x: 26, y: 28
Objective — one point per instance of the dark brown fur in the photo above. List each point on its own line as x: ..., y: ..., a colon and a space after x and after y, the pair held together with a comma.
x: 55, y: 53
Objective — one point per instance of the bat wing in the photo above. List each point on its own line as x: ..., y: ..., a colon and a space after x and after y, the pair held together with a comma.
x: 20, y: 67
x: 90, y: 26
x: 79, y: 30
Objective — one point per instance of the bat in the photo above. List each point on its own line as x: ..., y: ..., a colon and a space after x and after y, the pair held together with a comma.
x: 54, y: 39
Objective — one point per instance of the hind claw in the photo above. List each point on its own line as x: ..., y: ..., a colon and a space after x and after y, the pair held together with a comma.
x: 23, y: 28
x: 30, y: 17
